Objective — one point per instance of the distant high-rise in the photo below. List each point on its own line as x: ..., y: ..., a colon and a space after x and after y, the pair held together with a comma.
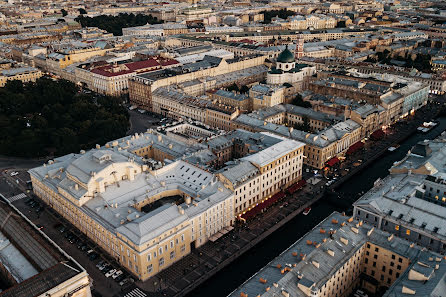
x: 299, y: 52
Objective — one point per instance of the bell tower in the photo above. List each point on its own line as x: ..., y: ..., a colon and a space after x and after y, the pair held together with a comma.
x: 299, y: 52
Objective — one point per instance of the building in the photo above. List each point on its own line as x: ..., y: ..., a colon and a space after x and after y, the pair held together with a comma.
x: 340, y: 255
x: 149, y: 199
x: 218, y: 71
x: 410, y: 202
x: 322, y: 148
x: 113, y: 79
x: 24, y: 74
x: 33, y: 265
x: 264, y: 95
x: 288, y: 71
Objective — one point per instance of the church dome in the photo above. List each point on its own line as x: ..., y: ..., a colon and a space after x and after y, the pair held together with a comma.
x: 286, y: 56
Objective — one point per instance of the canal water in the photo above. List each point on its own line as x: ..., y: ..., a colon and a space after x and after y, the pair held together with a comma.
x: 229, y: 278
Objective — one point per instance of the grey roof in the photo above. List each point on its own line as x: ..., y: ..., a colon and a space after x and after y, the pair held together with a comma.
x: 348, y: 238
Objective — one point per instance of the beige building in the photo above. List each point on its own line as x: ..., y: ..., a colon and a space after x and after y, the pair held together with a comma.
x: 148, y: 217
x: 263, y: 95
x: 24, y: 74
x: 245, y: 70
x: 341, y: 255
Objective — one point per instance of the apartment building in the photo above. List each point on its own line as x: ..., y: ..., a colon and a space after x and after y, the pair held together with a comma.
x: 342, y: 254
x: 410, y: 201
x: 322, y: 147
x: 225, y: 72
x: 264, y: 95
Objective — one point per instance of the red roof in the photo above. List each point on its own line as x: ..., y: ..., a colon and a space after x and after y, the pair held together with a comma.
x: 297, y: 186
x: 355, y: 147
x: 333, y: 161
x: 168, y: 62
x: 261, y: 206
x: 378, y: 134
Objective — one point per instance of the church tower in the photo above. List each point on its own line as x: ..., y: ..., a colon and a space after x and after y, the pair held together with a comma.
x: 299, y: 52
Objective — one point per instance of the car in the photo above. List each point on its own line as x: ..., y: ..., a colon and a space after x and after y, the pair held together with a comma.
x: 104, y: 268
x: 125, y: 281
x: 62, y: 229
x: 14, y: 173
x: 40, y: 227
x: 93, y: 256
x: 116, y: 274
x: 39, y: 209
x: 68, y: 234
x: 100, y: 263
x: 120, y: 278
x: 80, y: 244
x: 110, y: 272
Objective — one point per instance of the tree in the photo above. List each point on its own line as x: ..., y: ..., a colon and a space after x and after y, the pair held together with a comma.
x: 304, y: 126
x: 282, y: 13
x: 82, y: 11
x: 64, y: 12
x: 298, y: 101
x: 114, y: 24
x: 46, y: 116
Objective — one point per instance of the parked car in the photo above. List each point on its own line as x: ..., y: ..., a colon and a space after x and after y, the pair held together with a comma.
x: 100, y: 263
x: 62, y: 229
x: 116, y: 274
x: 110, y: 272
x: 14, y: 173
x: 120, y: 278
x: 104, y: 266
x: 126, y: 281
x: 93, y: 256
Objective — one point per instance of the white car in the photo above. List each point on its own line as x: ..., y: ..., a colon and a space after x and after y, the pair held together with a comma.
x: 14, y: 173
x: 110, y: 273
x: 116, y: 274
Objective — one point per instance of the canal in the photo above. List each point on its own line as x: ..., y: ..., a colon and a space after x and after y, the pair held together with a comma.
x: 229, y: 278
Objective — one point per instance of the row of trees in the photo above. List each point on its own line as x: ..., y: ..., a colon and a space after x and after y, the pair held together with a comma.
x: 421, y: 62
x: 114, y: 24
x: 282, y: 13
x: 51, y: 117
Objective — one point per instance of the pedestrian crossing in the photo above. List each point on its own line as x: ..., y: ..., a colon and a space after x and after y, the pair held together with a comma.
x: 135, y: 293
x: 17, y: 197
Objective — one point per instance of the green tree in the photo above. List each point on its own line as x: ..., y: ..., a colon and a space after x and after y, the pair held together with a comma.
x: 298, y: 101
x: 82, y: 11
x: 53, y: 117
x: 64, y: 12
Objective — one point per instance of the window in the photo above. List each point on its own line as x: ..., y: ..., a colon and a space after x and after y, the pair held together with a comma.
x: 374, y: 264
x: 407, y: 232
x: 149, y: 257
x: 398, y: 267
x: 400, y: 260
x: 376, y: 249
x: 393, y: 257
x: 375, y: 256
x: 154, y: 254
x: 161, y: 262
x: 149, y: 268
x: 183, y: 248
x: 366, y: 260
x: 397, y: 275
x: 172, y: 254
x: 160, y: 250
